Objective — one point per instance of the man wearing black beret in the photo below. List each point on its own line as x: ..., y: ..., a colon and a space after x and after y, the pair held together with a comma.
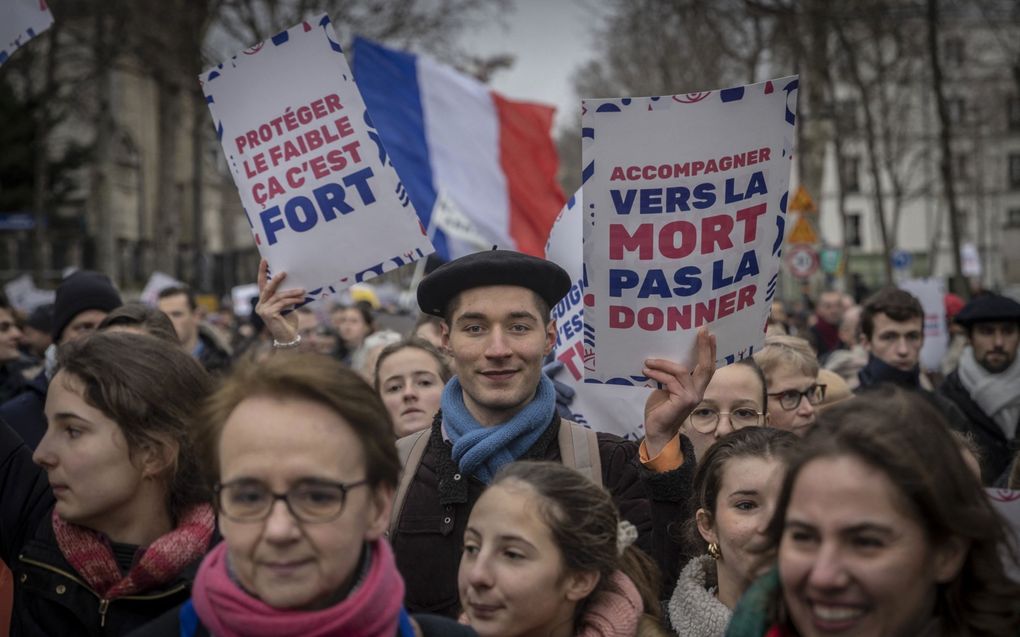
x: 986, y: 384
x: 500, y: 407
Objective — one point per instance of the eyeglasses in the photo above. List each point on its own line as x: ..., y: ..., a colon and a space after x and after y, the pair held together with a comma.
x: 790, y: 399
x: 705, y: 419
x: 308, y: 501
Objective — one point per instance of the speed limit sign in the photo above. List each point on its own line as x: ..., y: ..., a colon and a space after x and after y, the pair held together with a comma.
x: 802, y: 261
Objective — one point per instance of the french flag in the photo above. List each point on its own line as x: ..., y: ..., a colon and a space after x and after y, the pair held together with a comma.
x: 453, y: 141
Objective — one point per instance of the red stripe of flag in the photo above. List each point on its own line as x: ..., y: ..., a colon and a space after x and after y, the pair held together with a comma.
x: 528, y: 157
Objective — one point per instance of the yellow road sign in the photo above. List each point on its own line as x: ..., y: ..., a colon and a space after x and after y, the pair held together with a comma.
x: 802, y: 232
x: 802, y: 202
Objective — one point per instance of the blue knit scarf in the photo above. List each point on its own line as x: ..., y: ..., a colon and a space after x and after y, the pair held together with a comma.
x: 481, y: 451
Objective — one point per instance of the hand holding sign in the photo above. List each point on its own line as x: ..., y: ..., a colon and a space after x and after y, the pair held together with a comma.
x: 666, y: 409
x: 272, y: 303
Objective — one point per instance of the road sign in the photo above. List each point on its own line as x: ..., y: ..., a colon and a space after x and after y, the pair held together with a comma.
x: 831, y: 259
x: 802, y: 202
x: 901, y: 259
x: 802, y: 261
x: 802, y: 232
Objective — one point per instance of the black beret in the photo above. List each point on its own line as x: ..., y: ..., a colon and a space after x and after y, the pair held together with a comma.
x: 987, y: 308
x: 493, y: 267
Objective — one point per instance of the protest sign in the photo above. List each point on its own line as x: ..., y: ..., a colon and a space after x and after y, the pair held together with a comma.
x: 687, y: 196
x: 158, y: 281
x: 616, y: 410
x: 20, y: 21
x: 241, y: 297
x: 22, y: 294
x: 931, y: 293
x: 319, y: 192
x: 1007, y: 503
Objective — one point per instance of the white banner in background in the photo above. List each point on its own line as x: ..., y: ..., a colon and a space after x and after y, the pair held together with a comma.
x: 609, y: 408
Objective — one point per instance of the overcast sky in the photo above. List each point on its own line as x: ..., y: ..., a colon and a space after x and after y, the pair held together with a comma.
x: 550, y: 39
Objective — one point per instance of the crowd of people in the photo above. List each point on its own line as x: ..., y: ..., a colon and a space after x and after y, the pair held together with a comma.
x: 166, y: 471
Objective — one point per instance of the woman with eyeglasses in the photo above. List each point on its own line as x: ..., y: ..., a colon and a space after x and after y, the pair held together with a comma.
x: 791, y: 376
x: 735, y: 489
x: 303, y: 466
x: 735, y: 398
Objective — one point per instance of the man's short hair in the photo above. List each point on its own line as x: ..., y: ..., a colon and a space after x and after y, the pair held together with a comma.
x: 180, y: 289
x: 893, y: 302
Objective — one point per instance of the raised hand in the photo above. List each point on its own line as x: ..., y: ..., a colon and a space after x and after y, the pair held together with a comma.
x: 272, y: 304
x: 666, y: 409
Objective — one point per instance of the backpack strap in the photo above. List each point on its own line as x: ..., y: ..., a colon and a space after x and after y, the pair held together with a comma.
x: 410, y: 448
x: 579, y: 448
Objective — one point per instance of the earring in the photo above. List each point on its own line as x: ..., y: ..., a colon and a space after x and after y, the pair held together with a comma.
x: 713, y: 550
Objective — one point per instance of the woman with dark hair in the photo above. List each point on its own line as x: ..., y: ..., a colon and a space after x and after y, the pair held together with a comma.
x: 301, y: 459
x: 140, y: 319
x: 735, y: 489
x: 105, y: 523
x: 409, y: 376
x: 882, y: 529
x: 546, y: 554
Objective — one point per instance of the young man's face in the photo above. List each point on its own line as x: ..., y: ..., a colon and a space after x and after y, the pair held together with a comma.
x: 995, y: 344
x: 184, y: 318
x: 498, y: 336
x: 896, y: 343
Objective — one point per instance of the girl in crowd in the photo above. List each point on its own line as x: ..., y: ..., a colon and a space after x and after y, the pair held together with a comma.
x: 735, y: 489
x: 354, y: 324
x: 303, y: 467
x: 791, y: 375
x: 105, y: 524
x: 735, y: 398
x: 545, y: 554
x: 409, y: 376
x: 882, y: 529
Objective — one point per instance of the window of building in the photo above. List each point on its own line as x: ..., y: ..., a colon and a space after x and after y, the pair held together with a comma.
x: 853, y: 230
x: 1014, y: 171
x: 957, y: 107
x: 851, y: 174
x: 1013, y: 218
x: 1013, y: 112
x: 953, y: 51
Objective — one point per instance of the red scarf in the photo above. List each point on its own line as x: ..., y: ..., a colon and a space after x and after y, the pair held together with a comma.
x: 372, y: 610
x: 90, y: 554
x: 613, y: 613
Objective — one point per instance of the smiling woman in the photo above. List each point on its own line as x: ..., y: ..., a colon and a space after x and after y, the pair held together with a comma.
x: 881, y: 529
x: 112, y: 537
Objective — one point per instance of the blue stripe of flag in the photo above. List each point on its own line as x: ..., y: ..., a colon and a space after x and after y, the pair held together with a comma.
x: 388, y: 81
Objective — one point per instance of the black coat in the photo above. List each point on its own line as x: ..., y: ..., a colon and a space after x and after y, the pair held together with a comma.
x: 430, y: 532
x: 50, y: 598
x: 26, y: 412
x: 996, y: 451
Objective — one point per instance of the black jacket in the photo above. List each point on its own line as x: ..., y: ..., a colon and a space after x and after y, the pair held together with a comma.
x: 26, y: 412
x: 215, y: 354
x: 996, y: 451
x: 49, y: 596
x: 430, y: 532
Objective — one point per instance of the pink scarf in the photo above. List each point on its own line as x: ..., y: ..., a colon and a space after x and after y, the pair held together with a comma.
x: 373, y: 610
x: 90, y: 554
x: 612, y: 613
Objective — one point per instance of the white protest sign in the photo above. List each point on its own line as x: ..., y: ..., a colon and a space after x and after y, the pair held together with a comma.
x: 241, y: 297
x: 22, y: 294
x: 687, y: 197
x: 1007, y: 503
x: 158, y: 281
x: 608, y: 408
x: 20, y: 21
x: 319, y: 192
x: 931, y: 293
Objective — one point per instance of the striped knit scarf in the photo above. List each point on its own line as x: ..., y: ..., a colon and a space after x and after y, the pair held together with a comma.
x: 90, y: 554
